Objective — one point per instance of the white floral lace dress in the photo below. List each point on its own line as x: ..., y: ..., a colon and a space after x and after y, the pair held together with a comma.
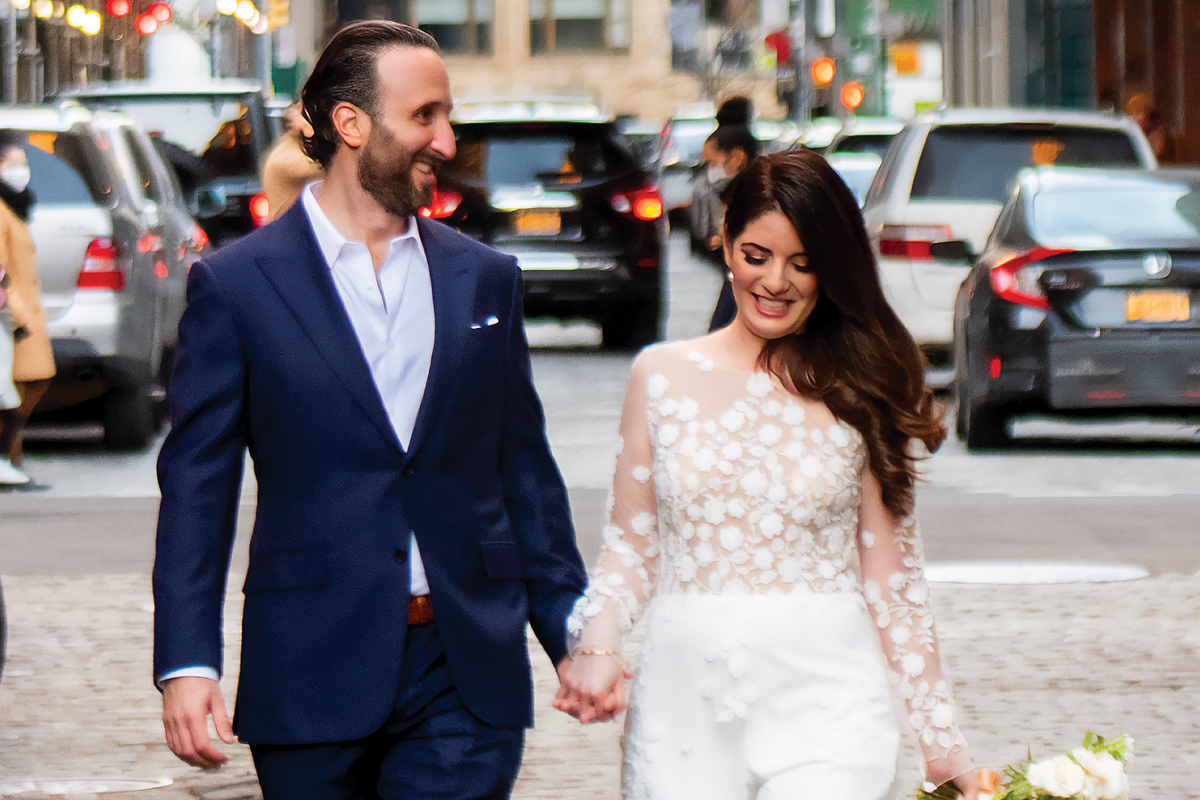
x: 779, y: 591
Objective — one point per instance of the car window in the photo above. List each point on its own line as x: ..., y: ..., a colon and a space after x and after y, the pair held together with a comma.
x: 218, y: 129
x: 1167, y: 212
x: 519, y: 156
x: 876, y: 143
x: 977, y: 162
x: 142, y: 170
x: 65, y: 169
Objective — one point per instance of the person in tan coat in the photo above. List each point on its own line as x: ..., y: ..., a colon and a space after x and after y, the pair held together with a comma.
x: 33, y: 360
x: 287, y: 167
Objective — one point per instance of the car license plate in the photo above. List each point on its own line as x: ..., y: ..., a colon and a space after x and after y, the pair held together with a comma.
x: 1163, y: 306
x: 538, y: 223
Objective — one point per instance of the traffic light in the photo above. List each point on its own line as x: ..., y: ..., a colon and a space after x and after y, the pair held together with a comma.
x: 852, y: 95
x: 160, y: 11
x: 118, y: 8
x: 777, y: 42
x: 822, y: 70
x: 146, y: 23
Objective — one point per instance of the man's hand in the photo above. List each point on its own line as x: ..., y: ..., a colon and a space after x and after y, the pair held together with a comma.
x: 592, y: 688
x: 187, y: 704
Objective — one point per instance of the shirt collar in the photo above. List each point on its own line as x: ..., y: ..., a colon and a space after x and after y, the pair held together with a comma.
x: 330, y: 240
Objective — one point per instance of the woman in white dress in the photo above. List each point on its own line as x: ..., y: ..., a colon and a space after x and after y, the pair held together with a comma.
x: 762, y: 518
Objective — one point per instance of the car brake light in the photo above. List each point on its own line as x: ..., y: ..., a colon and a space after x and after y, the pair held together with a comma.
x: 101, y: 266
x: 1016, y: 280
x: 644, y: 204
x: 444, y: 203
x: 911, y: 241
x: 260, y: 209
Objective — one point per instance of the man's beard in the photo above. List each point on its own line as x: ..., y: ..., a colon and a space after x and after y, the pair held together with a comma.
x: 385, y: 172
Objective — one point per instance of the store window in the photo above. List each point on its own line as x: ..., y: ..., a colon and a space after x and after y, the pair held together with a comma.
x: 461, y: 27
x: 557, y: 26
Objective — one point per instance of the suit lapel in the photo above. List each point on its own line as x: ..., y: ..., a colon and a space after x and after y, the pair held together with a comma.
x: 452, y: 302
x: 300, y: 276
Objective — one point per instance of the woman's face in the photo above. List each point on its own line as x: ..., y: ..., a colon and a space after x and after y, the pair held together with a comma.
x: 774, y: 290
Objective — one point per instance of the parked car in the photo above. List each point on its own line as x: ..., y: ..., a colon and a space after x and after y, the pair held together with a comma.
x: 865, y: 135
x: 215, y: 136
x: 946, y: 176
x: 1084, y: 301
x: 560, y: 190
x: 114, y: 244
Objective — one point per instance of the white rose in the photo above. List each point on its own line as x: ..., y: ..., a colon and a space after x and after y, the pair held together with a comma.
x: 714, y: 511
x: 1058, y: 777
x: 754, y: 483
x: 667, y: 435
x: 770, y: 434
x: 657, y: 386
x: 759, y: 384
x: 688, y: 409
x: 771, y: 525
x: 733, y: 420
x: 1106, y: 778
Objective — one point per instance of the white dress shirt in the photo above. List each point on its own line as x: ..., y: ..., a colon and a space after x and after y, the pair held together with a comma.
x: 391, y: 312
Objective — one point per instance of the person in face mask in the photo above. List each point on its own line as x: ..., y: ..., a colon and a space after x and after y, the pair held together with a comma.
x: 33, y: 361
x: 729, y: 149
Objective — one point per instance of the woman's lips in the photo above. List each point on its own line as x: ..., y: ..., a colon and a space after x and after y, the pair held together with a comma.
x: 772, y: 308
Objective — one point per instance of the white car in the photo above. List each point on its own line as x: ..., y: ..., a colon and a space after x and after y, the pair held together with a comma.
x: 946, y: 176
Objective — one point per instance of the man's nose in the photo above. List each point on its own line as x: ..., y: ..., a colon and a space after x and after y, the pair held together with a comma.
x: 443, y: 140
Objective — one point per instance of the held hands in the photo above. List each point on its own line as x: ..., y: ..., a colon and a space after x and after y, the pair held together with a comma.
x: 592, y: 685
x: 187, y: 703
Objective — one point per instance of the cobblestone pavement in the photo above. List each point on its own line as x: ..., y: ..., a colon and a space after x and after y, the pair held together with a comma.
x: 1034, y: 666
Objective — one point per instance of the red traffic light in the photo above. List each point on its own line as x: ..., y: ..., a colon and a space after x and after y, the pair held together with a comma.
x: 118, y: 8
x: 146, y: 24
x: 160, y: 11
x: 823, y: 70
x: 852, y: 95
x: 778, y: 41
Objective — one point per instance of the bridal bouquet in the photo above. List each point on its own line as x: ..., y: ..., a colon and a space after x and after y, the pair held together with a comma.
x: 1095, y: 771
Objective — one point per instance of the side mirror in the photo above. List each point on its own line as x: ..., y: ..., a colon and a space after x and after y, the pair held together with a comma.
x: 953, y: 250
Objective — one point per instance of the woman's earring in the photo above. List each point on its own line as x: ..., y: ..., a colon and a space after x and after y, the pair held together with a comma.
x: 729, y: 275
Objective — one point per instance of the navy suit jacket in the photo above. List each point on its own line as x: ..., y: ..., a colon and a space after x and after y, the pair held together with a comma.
x: 267, y: 362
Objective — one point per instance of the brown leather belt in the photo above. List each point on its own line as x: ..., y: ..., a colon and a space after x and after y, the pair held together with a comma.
x: 420, y: 610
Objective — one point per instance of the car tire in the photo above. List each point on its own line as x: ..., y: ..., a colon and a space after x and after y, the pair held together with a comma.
x: 980, y: 427
x: 130, y: 418
x: 633, y: 328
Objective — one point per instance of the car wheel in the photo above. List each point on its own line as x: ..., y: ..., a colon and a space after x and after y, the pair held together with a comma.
x: 130, y: 419
x: 632, y: 329
x: 980, y: 427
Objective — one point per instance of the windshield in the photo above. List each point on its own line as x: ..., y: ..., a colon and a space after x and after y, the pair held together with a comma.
x: 517, y: 157
x: 978, y: 162
x: 218, y: 129
x: 1168, y: 214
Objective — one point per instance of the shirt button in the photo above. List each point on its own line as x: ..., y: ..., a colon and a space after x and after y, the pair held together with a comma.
x: 401, y: 556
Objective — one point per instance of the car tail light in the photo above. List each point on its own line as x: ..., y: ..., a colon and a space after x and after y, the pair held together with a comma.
x: 644, y: 204
x: 911, y: 241
x: 101, y: 266
x: 260, y: 209
x: 444, y: 203
x: 1016, y: 280
x: 199, y: 239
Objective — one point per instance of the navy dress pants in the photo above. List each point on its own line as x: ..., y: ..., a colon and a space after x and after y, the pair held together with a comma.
x: 430, y: 748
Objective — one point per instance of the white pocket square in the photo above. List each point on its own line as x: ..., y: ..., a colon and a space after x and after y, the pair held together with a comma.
x: 487, y: 323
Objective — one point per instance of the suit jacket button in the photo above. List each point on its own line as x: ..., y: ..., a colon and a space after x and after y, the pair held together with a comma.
x: 409, y: 472
x: 401, y: 556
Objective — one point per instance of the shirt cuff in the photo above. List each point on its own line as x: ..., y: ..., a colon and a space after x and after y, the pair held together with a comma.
x: 196, y: 671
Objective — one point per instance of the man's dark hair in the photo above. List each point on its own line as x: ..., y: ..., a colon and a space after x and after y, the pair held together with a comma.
x: 347, y: 72
x: 736, y: 110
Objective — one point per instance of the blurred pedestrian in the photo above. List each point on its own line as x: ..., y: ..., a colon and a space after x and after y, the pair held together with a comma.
x: 762, y: 518
x: 11, y: 325
x: 287, y: 167
x: 33, y: 360
x: 1143, y: 112
x: 410, y: 522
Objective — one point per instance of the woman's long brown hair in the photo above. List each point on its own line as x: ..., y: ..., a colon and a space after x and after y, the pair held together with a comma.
x: 854, y: 354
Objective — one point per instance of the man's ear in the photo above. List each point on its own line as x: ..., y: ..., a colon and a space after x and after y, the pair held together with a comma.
x: 352, y: 124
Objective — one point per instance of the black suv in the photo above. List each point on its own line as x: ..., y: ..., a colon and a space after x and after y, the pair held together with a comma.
x: 215, y: 136
x: 558, y: 188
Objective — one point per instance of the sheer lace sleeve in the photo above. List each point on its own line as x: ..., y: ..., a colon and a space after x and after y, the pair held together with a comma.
x: 626, y: 570
x: 893, y: 579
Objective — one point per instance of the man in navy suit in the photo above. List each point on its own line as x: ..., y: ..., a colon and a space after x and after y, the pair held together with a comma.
x: 410, y: 518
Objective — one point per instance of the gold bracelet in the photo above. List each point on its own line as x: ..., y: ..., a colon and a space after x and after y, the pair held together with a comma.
x: 592, y: 650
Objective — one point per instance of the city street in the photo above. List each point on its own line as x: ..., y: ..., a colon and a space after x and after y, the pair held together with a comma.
x: 1036, y: 664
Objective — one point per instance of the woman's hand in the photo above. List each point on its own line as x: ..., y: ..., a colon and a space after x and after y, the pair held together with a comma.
x: 592, y: 687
